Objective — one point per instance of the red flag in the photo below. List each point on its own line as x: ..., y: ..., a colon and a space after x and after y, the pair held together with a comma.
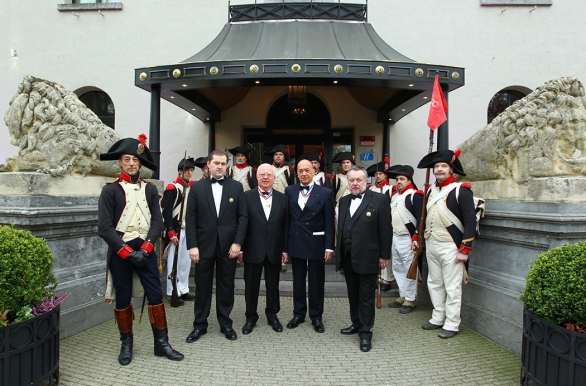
x: 438, y: 106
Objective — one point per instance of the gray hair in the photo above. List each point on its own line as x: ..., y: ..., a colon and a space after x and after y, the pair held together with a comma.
x: 357, y: 168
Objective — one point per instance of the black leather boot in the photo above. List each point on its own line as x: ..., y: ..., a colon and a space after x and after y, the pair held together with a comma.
x: 158, y: 320
x: 124, y: 319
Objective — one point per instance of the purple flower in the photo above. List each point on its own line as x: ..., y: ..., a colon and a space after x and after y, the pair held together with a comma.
x: 49, y: 303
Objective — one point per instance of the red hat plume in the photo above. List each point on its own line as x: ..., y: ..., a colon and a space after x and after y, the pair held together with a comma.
x: 142, y: 138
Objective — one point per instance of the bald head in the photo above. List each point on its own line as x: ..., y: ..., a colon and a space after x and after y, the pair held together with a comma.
x: 305, y: 172
x: 265, y: 176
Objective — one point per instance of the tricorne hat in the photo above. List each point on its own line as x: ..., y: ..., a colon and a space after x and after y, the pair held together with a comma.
x: 131, y: 146
x: 447, y: 156
x: 240, y: 149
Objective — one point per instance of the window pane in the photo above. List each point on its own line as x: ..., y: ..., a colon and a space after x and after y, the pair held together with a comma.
x: 105, y: 105
x: 88, y: 99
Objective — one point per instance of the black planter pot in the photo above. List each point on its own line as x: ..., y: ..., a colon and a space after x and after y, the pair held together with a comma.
x: 29, y: 351
x: 551, y: 355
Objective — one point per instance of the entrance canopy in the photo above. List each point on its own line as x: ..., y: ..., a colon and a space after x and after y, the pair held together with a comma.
x: 298, y: 44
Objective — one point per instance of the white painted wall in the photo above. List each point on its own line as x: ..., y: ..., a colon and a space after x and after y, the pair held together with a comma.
x: 498, y: 49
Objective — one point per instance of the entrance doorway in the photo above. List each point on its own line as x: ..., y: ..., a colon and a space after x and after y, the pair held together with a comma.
x: 302, y: 125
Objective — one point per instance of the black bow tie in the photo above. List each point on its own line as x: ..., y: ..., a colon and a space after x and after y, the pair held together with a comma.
x: 221, y: 182
x: 306, y: 188
x: 358, y: 196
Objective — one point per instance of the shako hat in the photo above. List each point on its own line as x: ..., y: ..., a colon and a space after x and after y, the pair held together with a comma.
x: 447, y: 156
x: 400, y: 170
x: 343, y: 156
x: 240, y: 149
x: 189, y: 163
x: 201, y: 162
x: 131, y: 146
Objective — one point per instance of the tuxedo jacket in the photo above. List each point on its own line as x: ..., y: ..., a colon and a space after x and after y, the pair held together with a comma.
x: 371, y: 230
x: 203, y: 228
x: 311, y: 230
x: 266, y: 237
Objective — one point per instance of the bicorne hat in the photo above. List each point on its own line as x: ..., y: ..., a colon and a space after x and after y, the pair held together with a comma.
x: 277, y: 149
x: 446, y: 156
x: 131, y: 146
x: 201, y: 162
x: 240, y: 149
x: 400, y: 170
x: 378, y: 167
x: 343, y: 156
x: 188, y: 162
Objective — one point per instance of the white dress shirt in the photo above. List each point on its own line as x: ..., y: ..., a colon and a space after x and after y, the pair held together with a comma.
x: 355, y: 203
x: 217, y: 193
x: 266, y: 203
x: 303, y: 200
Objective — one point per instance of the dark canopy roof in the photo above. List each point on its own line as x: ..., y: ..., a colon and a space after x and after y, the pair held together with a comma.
x: 327, y: 44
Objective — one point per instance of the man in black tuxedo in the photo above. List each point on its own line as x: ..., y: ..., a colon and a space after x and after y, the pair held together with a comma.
x: 265, y: 246
x: 311, y: 243
x: 216, y: 221
x: 364, y: 247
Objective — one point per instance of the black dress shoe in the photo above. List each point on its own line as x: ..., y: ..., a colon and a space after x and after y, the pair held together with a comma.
x: 229, y: 333
x: 247, y: 329
x: 365, y: 345
x: 188, y: 297
x: 296, y: 321
x: 318, y: 326
x: 277, y: 326
x: 195, y: 335
x: 349, y: 330
x: 385, y: 287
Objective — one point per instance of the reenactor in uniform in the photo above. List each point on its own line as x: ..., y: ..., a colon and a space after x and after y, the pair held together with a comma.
x: 172, y: 198
x: 129, y: 221
x: 316, y: 158
x: 284, y: 175
x: 450, y: 227
x: 381, y: 185
x: 341, y: 188
x: 406, y: 204
x: 242, y: 171
x: 202, y: 163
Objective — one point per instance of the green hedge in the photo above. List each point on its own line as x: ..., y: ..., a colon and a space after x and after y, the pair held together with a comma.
x: 26, y: 275
x: 555, y: 288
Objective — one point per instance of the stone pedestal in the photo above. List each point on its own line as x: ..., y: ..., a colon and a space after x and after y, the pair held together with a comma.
x: 66, y: 216
x: 512, y: 235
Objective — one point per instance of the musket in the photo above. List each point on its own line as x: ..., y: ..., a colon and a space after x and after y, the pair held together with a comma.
x: 175, y: 294
x: 378, y: 291
x: 414, y: 268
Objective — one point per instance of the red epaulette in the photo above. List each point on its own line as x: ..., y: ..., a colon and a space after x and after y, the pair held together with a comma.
x: 254, y: 169
x: 420, y: 192
x: 170, y: 187
x: 292, y: 169
x: 328, y: 175
x: 191, y: 182
x: 467, y: 185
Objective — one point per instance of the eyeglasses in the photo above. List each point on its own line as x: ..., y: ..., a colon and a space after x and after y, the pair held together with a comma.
x: 265, y: 175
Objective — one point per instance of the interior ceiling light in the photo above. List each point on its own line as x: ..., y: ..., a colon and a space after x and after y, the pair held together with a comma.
x: 257, y: 81
x: 184, y: 85
x: 335, y: 82
x: 411, y: 85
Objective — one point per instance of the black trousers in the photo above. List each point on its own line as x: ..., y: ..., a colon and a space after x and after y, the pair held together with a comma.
x: 315, y: 272
x: 252, y: 276
x: 122, y: 272
x: 361, y: 295
x: 204, y: 280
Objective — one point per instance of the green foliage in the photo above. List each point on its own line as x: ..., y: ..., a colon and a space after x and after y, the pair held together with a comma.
x: 555, y: 288
x: 26, y: 276
x: 23, y: 314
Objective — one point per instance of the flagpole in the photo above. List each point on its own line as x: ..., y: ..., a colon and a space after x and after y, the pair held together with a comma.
x: 443, y: 132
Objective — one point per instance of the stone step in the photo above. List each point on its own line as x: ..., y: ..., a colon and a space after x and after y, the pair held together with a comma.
x: 335, y: 285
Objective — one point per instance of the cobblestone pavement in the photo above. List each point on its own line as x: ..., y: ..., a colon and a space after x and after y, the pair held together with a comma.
x: 402, y: 353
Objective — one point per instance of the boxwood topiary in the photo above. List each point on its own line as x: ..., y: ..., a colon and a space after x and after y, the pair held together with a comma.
x: 26, y: 276
x: 555, y: 288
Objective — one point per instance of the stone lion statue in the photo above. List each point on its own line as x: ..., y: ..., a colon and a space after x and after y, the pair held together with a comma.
x: 56, y: 133
x: 541, y: 136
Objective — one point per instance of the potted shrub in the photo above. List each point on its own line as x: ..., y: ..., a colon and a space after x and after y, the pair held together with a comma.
x: 29, y: 313
x: 554, y: 318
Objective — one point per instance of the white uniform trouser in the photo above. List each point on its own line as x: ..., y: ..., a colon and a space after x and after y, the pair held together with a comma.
x: 444, y: 281
x: 387, y: 273
x: 183, y: 267
x: 402, y: 256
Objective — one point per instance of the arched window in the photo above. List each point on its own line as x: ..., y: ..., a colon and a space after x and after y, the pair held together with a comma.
x: 101, y: 104
x: 503, y: 99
